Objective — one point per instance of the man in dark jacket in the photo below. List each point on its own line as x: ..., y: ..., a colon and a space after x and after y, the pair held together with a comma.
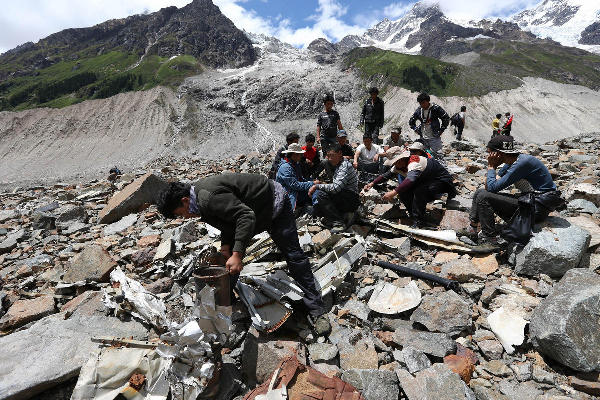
x: 434, y: 121
x: 290, y: 138
x: 372, y: 115
x: 241, y: 206
x: 328, y: 124
x: 507, y: 127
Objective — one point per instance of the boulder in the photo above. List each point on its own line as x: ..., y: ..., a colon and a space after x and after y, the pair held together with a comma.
x: 414, y: 360
x: 586, y: 191
x: 437, y: 382
x: 556, y: 247
x: 25, y: 311
x: 322, y: 352
x: 92, y: 264
x: 69, y: 214
x: 565, y: 325
x: 357, y: 352
x: 7, y: 215
x: 435, y: 344
x: 462, y: 270
x: 373, y: 384
x: 43, y: 220
x: 271, y: 352
x: 133, y: 198
x: 455, y: 220
x: 446, y: 312
x: 581, y: 205
x: 53, y: 350
x: 120, y: 225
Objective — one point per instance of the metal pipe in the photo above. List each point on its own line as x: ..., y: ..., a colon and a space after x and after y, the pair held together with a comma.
x: 447, y: 283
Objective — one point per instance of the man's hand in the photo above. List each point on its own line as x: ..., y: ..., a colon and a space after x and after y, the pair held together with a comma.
x: 494, y: 159
x: 376, y: 157
x: 355, y: 164
x: 389, y: 196
x: 234, y: 263
x: 368, y: 187
x: 316, y: 182
x: 226, y: 250
x: 312, y: 189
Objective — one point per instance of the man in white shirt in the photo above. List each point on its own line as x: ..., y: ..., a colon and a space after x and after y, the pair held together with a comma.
x: 367, y: 156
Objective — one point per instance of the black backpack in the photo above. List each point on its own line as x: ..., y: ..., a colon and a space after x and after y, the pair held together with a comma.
x: 455, y: 119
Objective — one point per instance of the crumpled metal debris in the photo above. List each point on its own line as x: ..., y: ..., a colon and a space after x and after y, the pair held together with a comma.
x: 131, y: 297
x: 332, y: 269
x: 509, y: 328
x: 274, y: 394
x: 391, y: 299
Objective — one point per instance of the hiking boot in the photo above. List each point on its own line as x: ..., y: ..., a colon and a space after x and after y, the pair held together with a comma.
x: 349, y: 219
x: 320, y: 324
x: 470, y: 232
x: 337, y: 227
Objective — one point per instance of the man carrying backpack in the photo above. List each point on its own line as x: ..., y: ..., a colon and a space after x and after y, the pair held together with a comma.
x: 458, y: 121
x: 434, y: 121
x: 372, y: 115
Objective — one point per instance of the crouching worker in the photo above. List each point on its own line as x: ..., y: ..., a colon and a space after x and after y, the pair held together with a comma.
x: 241, y: 206
x: 526, y: 172
x: 290, y: 176
x: 425, y: 180
x: 333, y: 200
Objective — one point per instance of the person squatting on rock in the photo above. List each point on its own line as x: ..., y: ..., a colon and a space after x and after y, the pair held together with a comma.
x: 290, y: 138
x: 367, y: 156
x: 347, y: 153
x: 458, y: 121
x: 422, y: 181
x: 395, y: 139
x: 290, y: 177
x: 312, y: 159
x: 434, y: 121
x: 372, y: 115
x: 328, y: 124
x: 332, y: 200
x: 526, y: 172
x: 241, y: 206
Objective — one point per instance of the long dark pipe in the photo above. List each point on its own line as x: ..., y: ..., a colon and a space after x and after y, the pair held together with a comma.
x: 447, y: 283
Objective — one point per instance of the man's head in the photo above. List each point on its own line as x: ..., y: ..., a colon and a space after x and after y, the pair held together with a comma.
x: 504, y: 145
x: 374, y: 92
x: 423, y: 100
x: 328, y: 101
x: 398, y: 157
x: 367, y: 141
x: 294, y: 152
x: 498, y: 116
x: 463, y: 109
x: 395, y: 133
x: 292, y: 137
x: 309, y: 140
x: 334, y: 154
x: 174, y: 201
x: 507, y: 114
x: 417, y: 148
x: 342, y: 137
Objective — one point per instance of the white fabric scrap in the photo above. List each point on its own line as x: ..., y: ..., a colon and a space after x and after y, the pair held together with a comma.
x: 509, y: 328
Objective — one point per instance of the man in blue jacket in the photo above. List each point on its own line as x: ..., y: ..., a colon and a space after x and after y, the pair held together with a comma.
x: 434, y: 121
x: 290, y: 176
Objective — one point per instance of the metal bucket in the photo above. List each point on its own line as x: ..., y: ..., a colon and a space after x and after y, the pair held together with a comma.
x: 216, y: 277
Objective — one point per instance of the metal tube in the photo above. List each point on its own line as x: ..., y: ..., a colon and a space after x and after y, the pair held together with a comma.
x: 447, y: 283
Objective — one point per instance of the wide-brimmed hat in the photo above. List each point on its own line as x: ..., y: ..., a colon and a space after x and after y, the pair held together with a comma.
x: 416, y: 146
x: 294, y: 148
x: 504, y: 144
x: 396, y: 155
x: 342, y: 133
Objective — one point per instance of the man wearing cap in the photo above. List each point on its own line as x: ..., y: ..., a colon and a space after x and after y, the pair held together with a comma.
x: 290, y: 138
x: 241, y: 206
x: 519, y: 169
x: 328, y: 123
x: 333, y: 200
x: 418, y: 149
x: 347, y: 150
x: 290, y: 177
x: 434, y: 121
x: 425, y: 180
x: 366, y: 156
x: 394, y: 140
x: 372, y: 115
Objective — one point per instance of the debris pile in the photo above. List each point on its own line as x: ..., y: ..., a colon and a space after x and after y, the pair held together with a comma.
x: 101, y: 297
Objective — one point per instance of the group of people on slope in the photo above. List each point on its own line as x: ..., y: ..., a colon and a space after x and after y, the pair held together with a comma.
x: 243, y: 205
x: 502, y: 126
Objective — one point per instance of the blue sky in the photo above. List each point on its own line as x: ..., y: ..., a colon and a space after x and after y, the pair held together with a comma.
x: 294, y: 21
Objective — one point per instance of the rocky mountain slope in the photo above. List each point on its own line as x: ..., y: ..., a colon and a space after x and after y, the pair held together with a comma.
x: 569, y: 22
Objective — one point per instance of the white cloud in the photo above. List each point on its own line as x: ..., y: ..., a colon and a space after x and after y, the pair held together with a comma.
x: 396, y: 10
x: 476, y: 10
x: 31, y: 20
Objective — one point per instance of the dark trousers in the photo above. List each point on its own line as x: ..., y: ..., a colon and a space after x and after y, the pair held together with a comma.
x: 487, y: 205
x: 334, y: 205
x: 415, y: 200
x: 372, y: 129
x: 326, y: 143
x: 458, y: 130
x: 372, y: 167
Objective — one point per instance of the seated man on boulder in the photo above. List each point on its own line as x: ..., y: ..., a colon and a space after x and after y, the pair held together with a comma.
x: 366, y: 156
x: 241, y: 206
x: 425, y: 180
x: 290, y: 177
x: 290, y: 138
x: 526, y: 172
x: 333, y: 200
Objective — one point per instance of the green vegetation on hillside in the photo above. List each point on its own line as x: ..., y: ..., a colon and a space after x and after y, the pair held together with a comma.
x: 91, y: 77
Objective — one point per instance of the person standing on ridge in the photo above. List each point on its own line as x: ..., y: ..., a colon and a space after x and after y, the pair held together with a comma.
x: 434, y: 121
x: 496, y: 125
x: 507, y: 127
x: 458, y: 121
x: 372, y: 115
x: 328, y: 124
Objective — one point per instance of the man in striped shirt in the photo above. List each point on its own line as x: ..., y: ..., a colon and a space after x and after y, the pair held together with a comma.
x: 333, y: 200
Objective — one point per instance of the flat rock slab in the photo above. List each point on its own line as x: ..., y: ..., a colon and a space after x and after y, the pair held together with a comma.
x: 446, y: 312
x: 585, y: 191
x: 455, y: 220
x: 53, y: 350
x: 435, y: 344
x: 25, y: 311
x: 133, y: 198
x: 373, y: 384
x: 92, y: 264
x: 556, y: 247
x: 437, y: 382
x: 565, y: 326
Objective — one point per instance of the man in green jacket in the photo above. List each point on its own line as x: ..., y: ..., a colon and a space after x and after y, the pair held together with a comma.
x: 241, y: 206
